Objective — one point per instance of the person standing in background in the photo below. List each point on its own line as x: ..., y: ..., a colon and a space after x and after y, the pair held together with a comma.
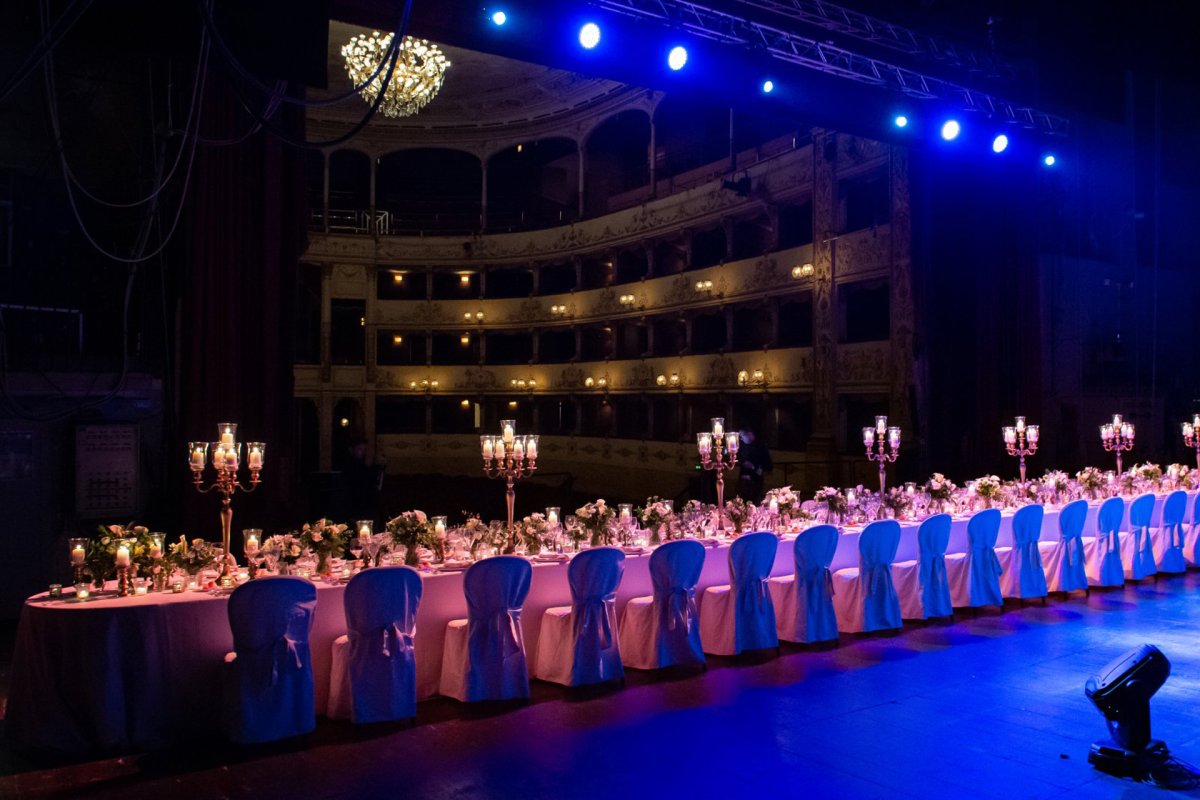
x: 754, y: 462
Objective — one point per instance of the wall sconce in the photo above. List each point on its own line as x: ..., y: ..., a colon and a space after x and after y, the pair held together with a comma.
x: 627, y: 299
x: 397, y: 277
x: 803, y: 271
x: 558, y: 310
x: 757, y: 377
x: 465, y: 279
x: 596, y: 383
x: 672, y: 380
x: 523, y: 383
x: 477, y: 316
x: 704, y: 286
x: 423, y: 385
x: 397, y: 339
x: 465, y: 403
x: 465, y: 339
x: 344, y: 422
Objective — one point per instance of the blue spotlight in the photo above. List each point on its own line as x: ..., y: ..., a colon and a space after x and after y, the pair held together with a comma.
x: 499, y: 18
x: 1049, y: 160
x: 677, y: 58
x: 768, y: 87
x: 589, y: 35
x: 951, y: 129
x: 1000, y: 144
x: 900, y: 121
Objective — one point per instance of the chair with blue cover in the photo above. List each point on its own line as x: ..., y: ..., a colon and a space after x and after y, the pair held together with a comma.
x: 267, y: 684
x: 1022, y: 574
x: 1104, y: 567
x: 1191, y: 540
x: 739, y: 615
x: 975, y: 575
x: 804, y: 600
x: 373, y: 675
x: 663, y: 629
x: 921, y: 583
x: 865, y: 596
x: 1137, y: 548
x: 483, y: 657
x: 578, y: 644
x: 1065, y: 561
x: 1174, y: 507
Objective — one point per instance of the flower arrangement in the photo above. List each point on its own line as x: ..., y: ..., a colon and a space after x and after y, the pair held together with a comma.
x: 658, y: 517
x: 1148, y: 472
x: 194, y: 557
x: 833, y: 500
x: 1091, y: 481
x: 534, y: 532
x: 1056, y: 482
x: 988, y: 489
x: 102, y: 549
x: 693, y: 516
x: 283, y: 548
x: 939, y: 487
x: 898, y: 501
x: 410, y: 529
x: 595, y: 519
x: 480, y: 535
x: 786, y: 502
x: 1180, y: 476
x: 325, y: 539
x: 739, y: 513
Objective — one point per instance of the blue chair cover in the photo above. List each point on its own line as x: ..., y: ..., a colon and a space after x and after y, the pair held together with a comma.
x: 1027, y: 557
x: 876, y: 551
x: 594, y: 576
x: 496, y: 589
x: 674, y: 572
x: 1140, y: 512
x: 750, y: 561
x: 1108, y: 523
x: 1172, y: 524
x: 381, y: 621
x: 983, y: 566
x: 270, y: 694
x: 1196, y: 521
x: 932, y: 538
x: 1072, y: 571
x: 813, y: 552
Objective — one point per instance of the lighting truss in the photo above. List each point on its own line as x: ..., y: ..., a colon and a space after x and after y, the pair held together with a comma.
x: 720, y: 26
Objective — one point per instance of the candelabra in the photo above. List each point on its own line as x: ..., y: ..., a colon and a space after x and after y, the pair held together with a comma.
x: 226, y: 459
x: 1117, y: 437
x: 1021, y: 440
x: 510, y: 457
x: 718, y: 453
x: 879, y: 441
x: 1191, y: 436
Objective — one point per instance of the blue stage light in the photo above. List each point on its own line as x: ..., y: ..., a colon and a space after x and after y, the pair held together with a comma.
x: 589, y: 35
x: 1049, y: 160
x: 677, y: 58
x: 499, y: 18
x: 768, y: 87
x: 951, y: 129
x: 900, y: 121
x: 1000, y: 144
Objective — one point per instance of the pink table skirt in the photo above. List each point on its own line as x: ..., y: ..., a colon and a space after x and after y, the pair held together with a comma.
x: 121, y: 674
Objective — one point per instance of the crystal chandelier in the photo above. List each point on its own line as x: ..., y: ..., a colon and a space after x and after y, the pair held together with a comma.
x: 420, y: 69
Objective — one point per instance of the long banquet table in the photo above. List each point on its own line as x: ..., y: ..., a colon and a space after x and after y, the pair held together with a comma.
x: 119, y: 674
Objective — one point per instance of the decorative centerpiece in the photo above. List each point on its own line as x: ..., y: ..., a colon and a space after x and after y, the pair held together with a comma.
x: 1117, y: 437
x: 783, y: 505
x: 510, y: 457
x: 534, y: 533
x: 193, y: 558
x: 410, y: 529
x: 1091, y: 482
x: 1057, y: 484
x: 883, y: 445
x: 988, y: 489
x: 898, y: 501
x: 834, y: 502
x: 658, y: 517
x: 1149, y: 474
x: 940, y: 490
x: 718, y: 453
x: 596, y: 520
x: 226, y: 460
x: 282, y: 550
x: 324, y: 539
x: 1021, y: 440
x: 739, y: 513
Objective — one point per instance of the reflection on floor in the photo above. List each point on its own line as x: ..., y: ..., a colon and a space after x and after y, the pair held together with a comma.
x: 991, y: 706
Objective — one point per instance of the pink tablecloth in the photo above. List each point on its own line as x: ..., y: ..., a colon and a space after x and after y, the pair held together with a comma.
x: 122, y: 674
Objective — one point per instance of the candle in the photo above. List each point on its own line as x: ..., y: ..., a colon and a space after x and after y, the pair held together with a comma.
x: 868, y: 436
x: 78, y: 554
x: 1116, y: 423
x: 365, y: 527
x: 704, y: 443
x: 251, y: 544
x: 1020, y: 426
x: 508, y: 431
x: 773, y: 506
x: 849, y: 497
x: 56, y: 590
x: 732, y: 442
x: 519, y: 447
x: 1128, y: 431
x: 439, y: 527
x: 881, y: 424
x: 489, y: 448
x: 626, y: 511
x: 177, y: 587
x: 255, y: 457
x: 718, y: 427
x: 198, y: 458
x: 1188, y: 429
x: 228, y: 432
x: 531, y: 447
x: 231, y: 458
x: 894, y: 438
x: 122, y: 556
x: 155, y: 549
x: 910, y: 488
x: 552, y: 516
x: 82, y: 592
x: 1031, y: 433
x: 218, y: 455
x: 1010, y: 435
x: 139, y: 586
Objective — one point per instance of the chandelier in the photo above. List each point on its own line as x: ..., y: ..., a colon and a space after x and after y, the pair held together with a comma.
x: 420, y: 69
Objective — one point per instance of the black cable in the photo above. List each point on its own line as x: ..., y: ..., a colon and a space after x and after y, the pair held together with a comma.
x: 45, y: 46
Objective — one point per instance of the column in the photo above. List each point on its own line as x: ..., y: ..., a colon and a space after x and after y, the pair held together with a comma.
x: 428, y: 414
x: 482, y: 282
x: 536, y: 275
x: 648, y: 247
x: 326, y: 322
x: 649, y: 340
x: 652, y: 159
x: 325, y: 429
x: 325, y: 193
x: 483, y: 215
x: 533, y: 343
x: 688, y: 322
x: 578, y: 263
x: 727, y: 227
x: 822, y: 443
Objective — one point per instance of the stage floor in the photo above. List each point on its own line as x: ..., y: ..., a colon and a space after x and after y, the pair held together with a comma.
x: 985, y: 707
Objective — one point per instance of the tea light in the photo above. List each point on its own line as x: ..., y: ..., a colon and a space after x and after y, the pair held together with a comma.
x: 139, y: 586
x: 227, y: 582
x: 347, y: 572
x: 193, y: 584
x: 82, y: 592
x: 177, y: 587
x: 552, y: 515
x: 849, y: 496
x: 773, y: 506
x: 78, y: 553
x: 55, y: 590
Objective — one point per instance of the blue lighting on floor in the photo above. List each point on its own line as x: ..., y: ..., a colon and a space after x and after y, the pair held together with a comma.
x: 900, y: 121
x: 1000, y: 144
x: 768, y: 87
x: 1049, y: 160
x: 499, y: 18
x: 951, y: 129
x: 677, y: 58
x: 589, y: 35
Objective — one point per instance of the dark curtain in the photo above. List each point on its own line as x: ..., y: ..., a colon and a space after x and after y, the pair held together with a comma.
x: 245, y: 233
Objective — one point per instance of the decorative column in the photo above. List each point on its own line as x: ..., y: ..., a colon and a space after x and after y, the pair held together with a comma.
x: 482, y: 337
x: 651, y: 158
x: 728, y: 331
x: 326, y: 322
x: 482, y: 283
x: 536, y: 274
x: 822, y: 442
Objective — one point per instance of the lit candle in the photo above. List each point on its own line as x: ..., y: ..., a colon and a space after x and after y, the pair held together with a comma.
x: 1188, y: 429
x: 485, y: 442
x: 552, y: 516
x: 508, y: 431
x: 439, y: 527
x: 177, y: 587
x: 155, y: 548
x: 251, y: 544
x: 122, y: 556
x: 1195, y: 421
x: 868, y: 436
x: 849, y: 496
x: 255, y: 456
x: 1010, y: 435
x: 218, y: 455
x: 227, y: 434
x: 198, y: 458
x: 718, y: 427
x: 78, y: 555
x: 704, y: 443
x: 910, y: 488
x: 1116, y: 423
x: 732, y: 443
x: 82, y: 592
x: 1128, y: 431
x: 881, y: 424
x: 1020, y: 426
x: 773, y: 506
x: 626, y: 511
x: 894, y: 438
x: 519, y: 447
x: 231, y: 458
x: 531, y: 447
x: 1032, y: 433
x: 140, y: 587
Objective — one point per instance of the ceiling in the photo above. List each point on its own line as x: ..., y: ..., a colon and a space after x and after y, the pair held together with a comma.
x: 480, y: 91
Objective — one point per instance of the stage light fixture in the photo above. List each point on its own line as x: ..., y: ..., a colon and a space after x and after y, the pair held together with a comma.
x: 951, y: 129
x: 589, y: 35
x: 768, y: 86
x: 1000, y: 144
x: 499, y: 18
x: 1049, y: 160
x: 900, y: 121
x: 677, y: 57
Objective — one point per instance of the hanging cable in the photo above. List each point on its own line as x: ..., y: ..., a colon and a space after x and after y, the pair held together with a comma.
x: 50, y: 39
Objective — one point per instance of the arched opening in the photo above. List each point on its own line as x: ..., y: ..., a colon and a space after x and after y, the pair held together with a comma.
x: 533, y: 185
x: 616, y: 161
x: 429, y: 189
